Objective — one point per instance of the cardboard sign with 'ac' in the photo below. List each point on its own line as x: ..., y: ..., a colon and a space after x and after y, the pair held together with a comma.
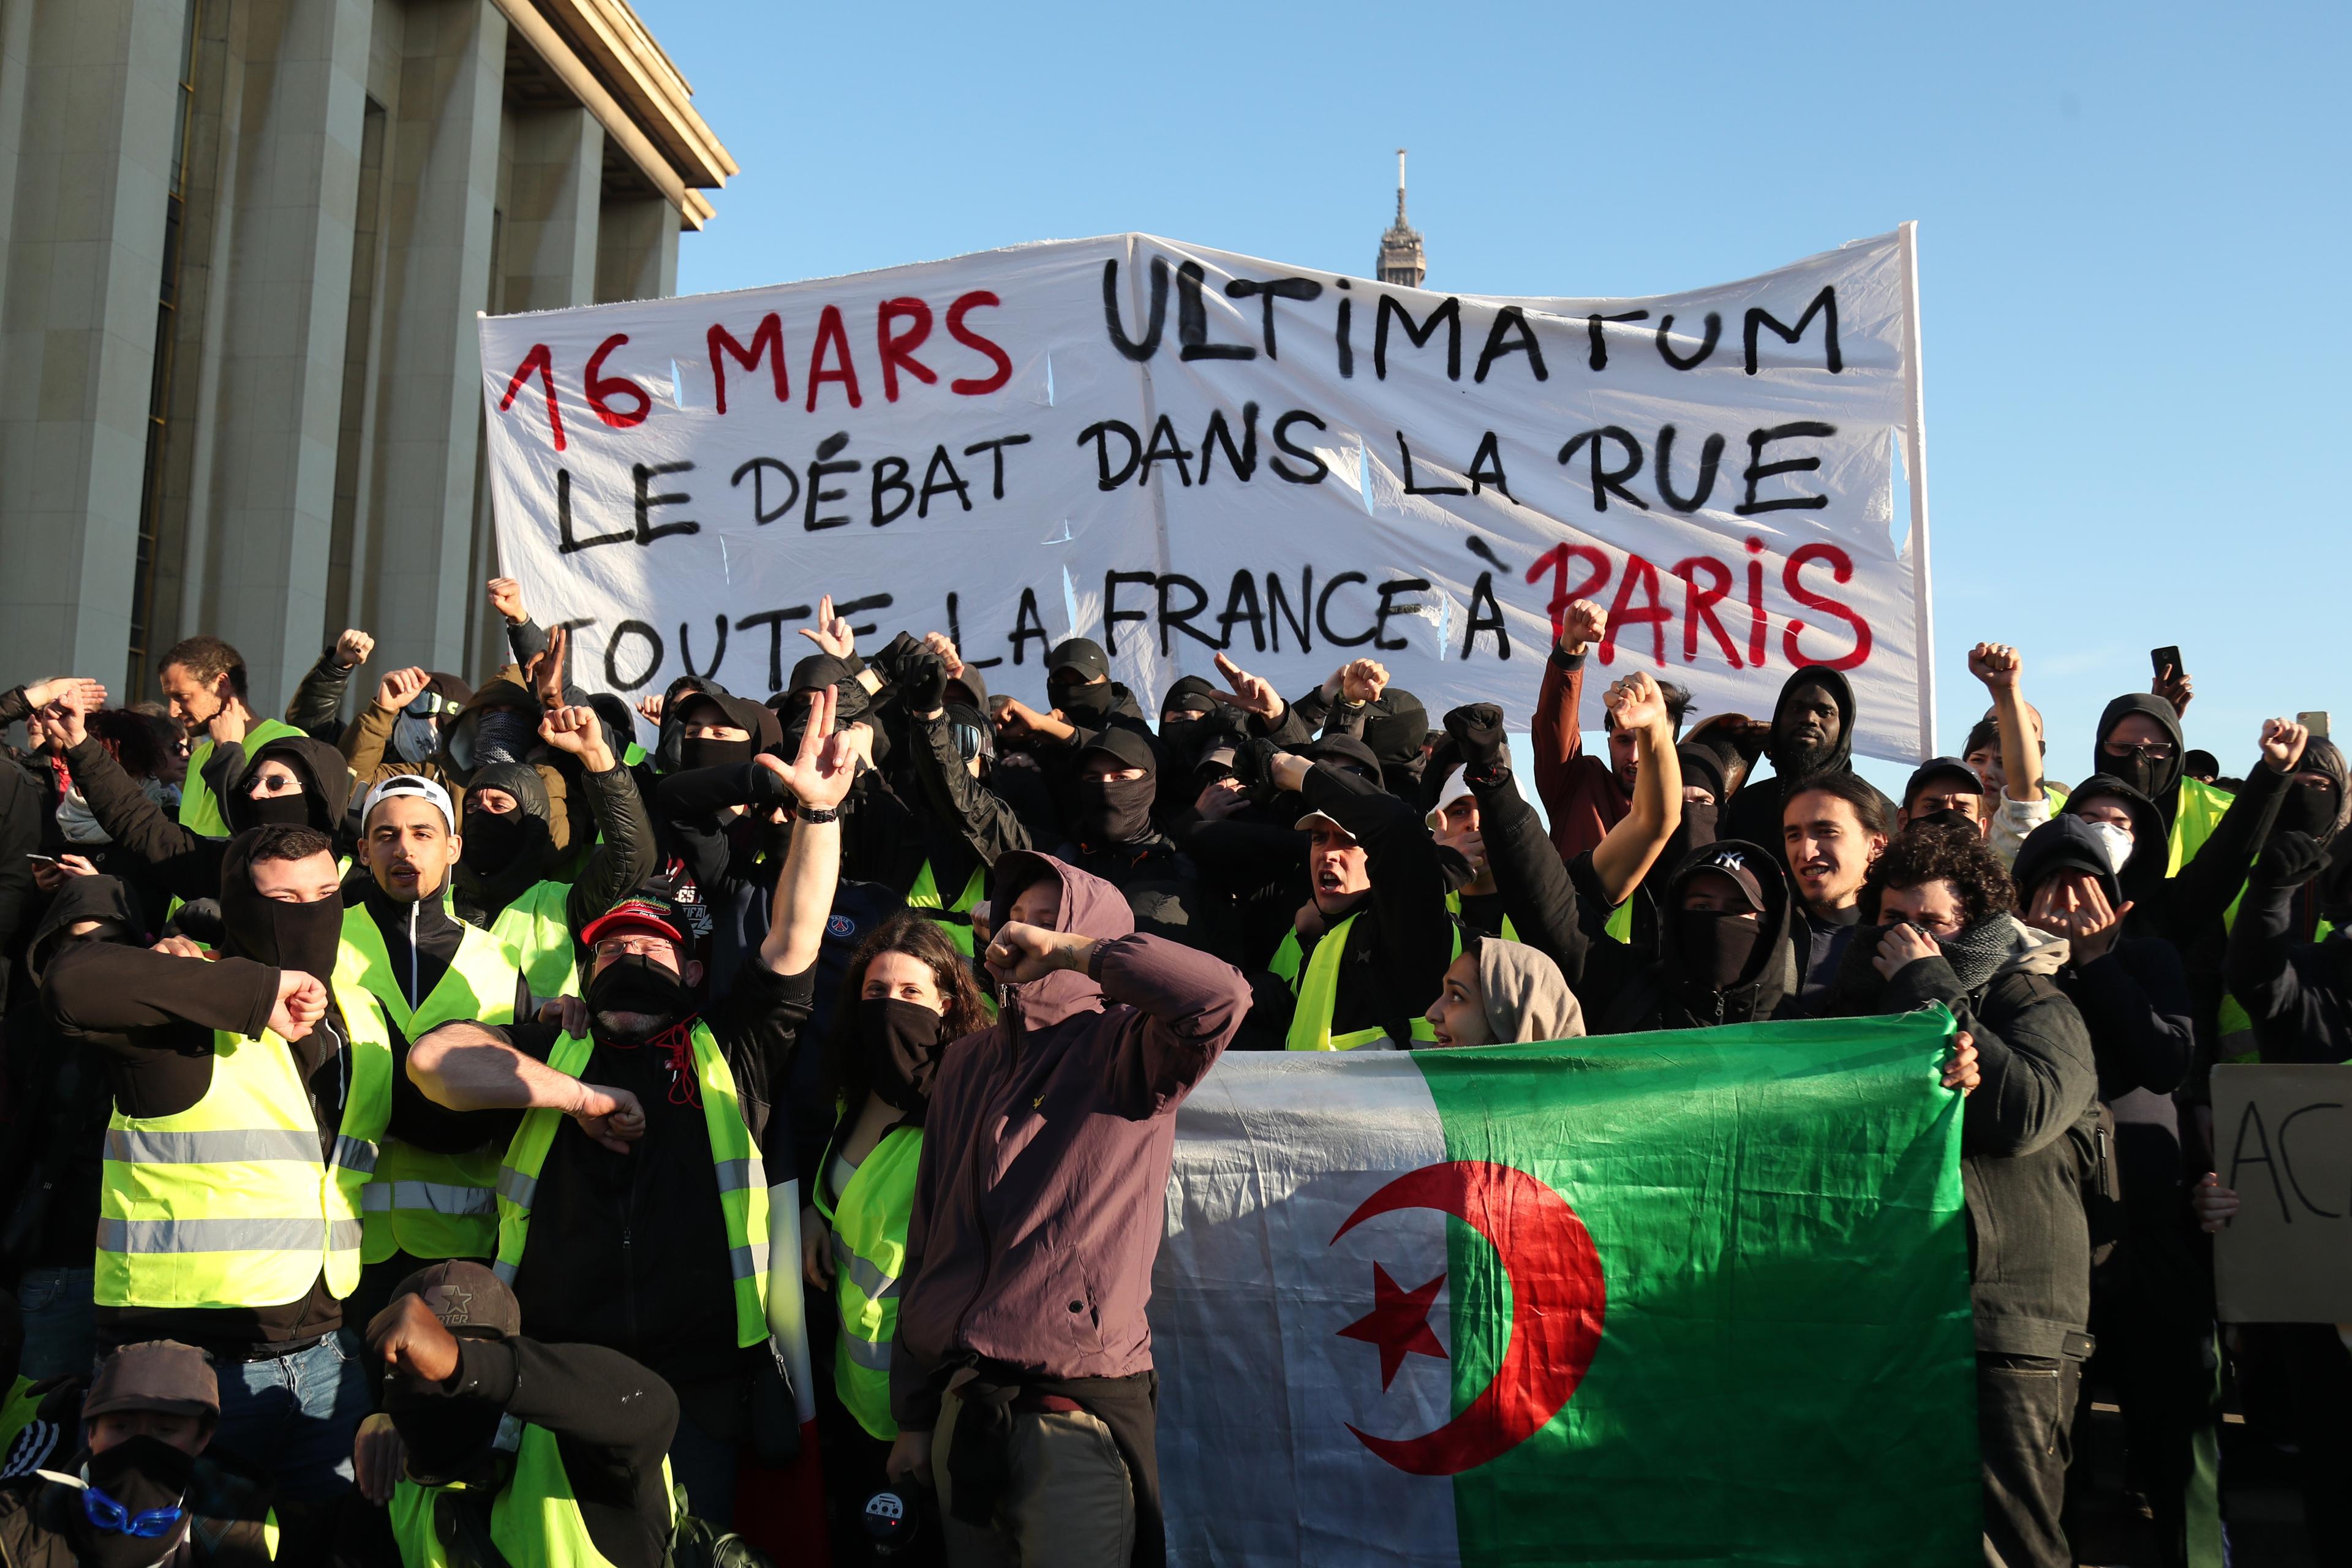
x: 2283, y: 1141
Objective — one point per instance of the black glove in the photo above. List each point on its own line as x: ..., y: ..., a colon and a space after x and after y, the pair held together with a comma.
x: 896, y: 655
x: 1253, y: 763
x: 1477, y: 731
x: 2288, y: 861
x: 923, y: 679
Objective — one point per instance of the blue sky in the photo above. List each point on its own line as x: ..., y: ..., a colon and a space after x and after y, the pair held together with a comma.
x: 2132, y: 241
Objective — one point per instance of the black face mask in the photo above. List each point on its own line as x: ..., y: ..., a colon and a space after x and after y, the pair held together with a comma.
x: 1082, y: 704
x: 1716, y: 946
x: 1697, y: 831
x: 493, y: 838
x: 1185, y: 737
x: 634, y: 984
x: 901, y: 1042
x: 273, y: 811
x: 705, y: 752
x: 1114, y: 811
x: 143, y: 1474
x: 283, y: 935
x: 447, y: 1439
x: 2307, y: 810
x: 2140, y: 771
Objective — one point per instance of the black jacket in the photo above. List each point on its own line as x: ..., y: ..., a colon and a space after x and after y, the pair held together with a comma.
x: 1662, y: 995
x: 187, y: 864
x: 2298, y: 994
x: 629, y: 1251
x: 1535, y: 890
x: 21, y: 826
x: 612, y: 1420
x: 2028, y: 1139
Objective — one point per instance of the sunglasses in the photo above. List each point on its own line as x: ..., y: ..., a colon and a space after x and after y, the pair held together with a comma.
x: 106, y: 1514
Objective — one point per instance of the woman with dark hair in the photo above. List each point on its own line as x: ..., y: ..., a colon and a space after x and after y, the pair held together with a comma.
x: 907, y: 993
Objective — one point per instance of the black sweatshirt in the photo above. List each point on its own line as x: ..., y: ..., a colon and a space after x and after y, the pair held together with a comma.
x: 1403, y: 938
x: 150, y: 1019
x: 612, y: 1418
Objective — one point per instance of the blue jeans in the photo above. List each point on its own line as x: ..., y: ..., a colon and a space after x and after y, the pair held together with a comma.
x: 295, y: 1416
x: 60, y: 1328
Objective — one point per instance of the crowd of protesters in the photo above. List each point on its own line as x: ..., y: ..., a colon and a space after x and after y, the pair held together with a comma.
x: 430, y: 1079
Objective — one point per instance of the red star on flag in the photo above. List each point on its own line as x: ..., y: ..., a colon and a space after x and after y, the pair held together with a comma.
x: 1398, y: 1323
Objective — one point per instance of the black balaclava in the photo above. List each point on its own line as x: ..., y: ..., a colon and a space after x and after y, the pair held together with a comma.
x: 143, y: 1474
x: 636, y: 984
x: 705, y: 752
x: 502, y: 842
x: 325, y: 789
x: 2307, y: 810
x: 901, y: 1045
x: 1716, y: 946
x: 1081, y: 703
x: 1117, y: 811
x: 283, y: 935
x: 503, y: 735
x: 2157, y: 780
x: 280, y: 810
x: 1187, y: 735
x: 493, y: 838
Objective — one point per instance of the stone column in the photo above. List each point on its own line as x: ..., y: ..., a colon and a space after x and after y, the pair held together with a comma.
x: 636, y: 249
x: 444, y: 170
x: 96, y: 90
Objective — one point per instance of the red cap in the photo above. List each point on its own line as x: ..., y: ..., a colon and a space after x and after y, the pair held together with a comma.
x: 640, y: 910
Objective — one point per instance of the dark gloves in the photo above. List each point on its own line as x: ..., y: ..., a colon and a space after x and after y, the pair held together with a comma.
x: 923, y: 679
x: 2288, y: 861
x: 896, y: 655
x: 1253, y: 763
x: 1477, y: 731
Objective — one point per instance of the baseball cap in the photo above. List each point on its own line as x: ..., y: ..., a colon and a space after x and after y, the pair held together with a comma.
x: 471, y: 1301
x: 643, y: 908
x: 155, y: 1374
x: 1125, y: 747
x: 1455, y: 786
x: 1345, y: 752
x: 1942, y: 767
x: 415, y: 785
x: 1082, y: 653
x: 1731, y: 863
x: 1313, y: 819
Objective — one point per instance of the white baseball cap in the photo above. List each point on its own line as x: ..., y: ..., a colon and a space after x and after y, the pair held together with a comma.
x: 410, y: 785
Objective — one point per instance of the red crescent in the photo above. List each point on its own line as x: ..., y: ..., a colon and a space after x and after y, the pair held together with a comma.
x: 1558, y: 1301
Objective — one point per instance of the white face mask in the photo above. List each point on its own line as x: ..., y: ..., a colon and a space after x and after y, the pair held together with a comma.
x: 2114, y: 842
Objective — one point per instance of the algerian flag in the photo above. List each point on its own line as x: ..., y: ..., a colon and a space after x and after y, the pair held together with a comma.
x: 1697, y: 1297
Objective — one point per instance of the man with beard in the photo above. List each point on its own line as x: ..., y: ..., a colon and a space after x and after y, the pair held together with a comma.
x: 247, y: 1091
x: 204, y: 680
x: 141, y: 1493
x: 1585, y: 796
x: 644, y: 1227
x: 1812, y: 738
x: 546, y: 1453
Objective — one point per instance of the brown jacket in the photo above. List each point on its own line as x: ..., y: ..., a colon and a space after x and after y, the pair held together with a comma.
x: 1045, y: 1150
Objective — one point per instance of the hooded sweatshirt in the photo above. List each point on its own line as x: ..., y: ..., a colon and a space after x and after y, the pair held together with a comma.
x: 1045, y: 1155
x: 1524, y: 993
x: 1755, y: 812
x: 58, y: 1099
x: 1668, y: 995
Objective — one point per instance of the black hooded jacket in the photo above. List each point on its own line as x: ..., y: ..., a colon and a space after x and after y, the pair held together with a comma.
x: 2163, y: 787
x: 187, y: 864
x: 52, y: 1138
x: 1755, y: 812
x: 1662, y: 996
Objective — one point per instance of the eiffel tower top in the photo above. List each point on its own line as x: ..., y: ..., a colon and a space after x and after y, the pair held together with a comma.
x: 1401, y: 258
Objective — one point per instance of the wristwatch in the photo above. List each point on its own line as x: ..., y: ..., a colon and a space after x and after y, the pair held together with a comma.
x: 806, y: 814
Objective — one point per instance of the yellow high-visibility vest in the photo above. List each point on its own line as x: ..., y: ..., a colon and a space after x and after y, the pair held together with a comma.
x: 869, y: 1252
x: 743, y: 1178
x: 230, y: 1203
x: 200, y: 809
x: 534, y: 1519
x: 1318, y: 989
x: 428, y: 1205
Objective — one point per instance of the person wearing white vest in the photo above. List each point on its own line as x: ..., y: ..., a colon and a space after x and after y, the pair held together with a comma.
x: 641, y: 1225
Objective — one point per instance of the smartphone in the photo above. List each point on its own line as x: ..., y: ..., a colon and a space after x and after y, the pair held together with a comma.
x: 2164, y: 658
x: 2315, y: 721
x: 44, y: 859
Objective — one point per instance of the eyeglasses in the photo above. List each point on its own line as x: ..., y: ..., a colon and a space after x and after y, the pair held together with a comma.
x: 2154, y: 751
x: 276, y: 783
x: 635, y: 947
x: 104, y: 1513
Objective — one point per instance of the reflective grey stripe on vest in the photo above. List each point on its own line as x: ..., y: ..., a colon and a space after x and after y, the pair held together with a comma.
x: 516, y: 1187
x: 431, y: 1197
x: 235, y: 1145
x: 354, y: 1153
x: 866, y: 1354
x: 345, y: 1236
x: 877, y: 1285
x: 734, y: 1175
x: 158, y: 1235
x: 749, y: 1262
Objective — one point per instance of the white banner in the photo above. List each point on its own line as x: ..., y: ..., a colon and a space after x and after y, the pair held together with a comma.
x: 1176, y: 450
